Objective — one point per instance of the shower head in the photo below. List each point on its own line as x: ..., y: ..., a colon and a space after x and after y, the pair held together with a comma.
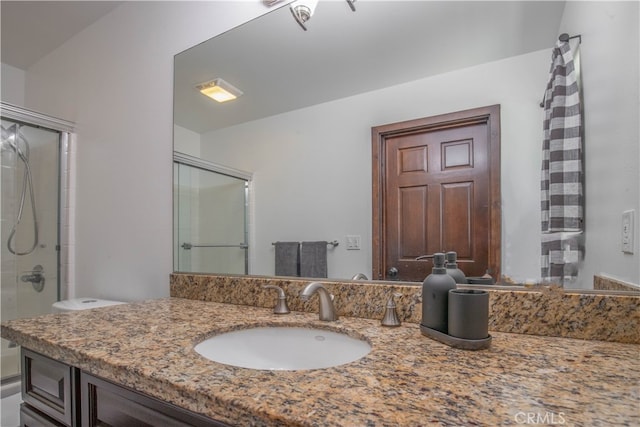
x: 9, y: 137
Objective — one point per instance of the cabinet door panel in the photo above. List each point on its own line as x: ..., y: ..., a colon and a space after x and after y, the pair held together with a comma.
x: 48, y: 386
x: 108, y: 404
x: 29, y: 417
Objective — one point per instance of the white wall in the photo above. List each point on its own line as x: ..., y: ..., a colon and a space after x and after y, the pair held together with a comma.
x: 115, y: 81
x: 12, y: 80
x: 610, y: 64
x: 312, y: 167
x: 186, y: 141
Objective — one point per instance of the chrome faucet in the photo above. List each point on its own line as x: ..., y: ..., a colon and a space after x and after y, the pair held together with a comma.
x: 327, y: 310
x: 360, y: 276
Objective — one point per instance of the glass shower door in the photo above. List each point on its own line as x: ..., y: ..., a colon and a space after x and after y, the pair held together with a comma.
x: 29, y: 231
x: 210, y: 221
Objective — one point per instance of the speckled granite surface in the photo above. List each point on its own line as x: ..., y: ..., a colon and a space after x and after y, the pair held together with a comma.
x: 586, y: 316
x: 608, y: 284
x: 407, y: 379
x: 589, y: 316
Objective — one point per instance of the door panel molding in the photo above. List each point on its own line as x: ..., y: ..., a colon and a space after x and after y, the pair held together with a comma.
x: 489, y: 116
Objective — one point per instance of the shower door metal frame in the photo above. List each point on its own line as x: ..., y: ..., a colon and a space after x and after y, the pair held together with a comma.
x: 66, y: 130
x: 196, y: 162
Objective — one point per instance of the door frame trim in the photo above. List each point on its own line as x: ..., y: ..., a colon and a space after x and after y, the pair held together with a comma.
x: 490, y: 116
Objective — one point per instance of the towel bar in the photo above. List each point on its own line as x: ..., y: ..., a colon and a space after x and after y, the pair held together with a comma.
x: 188, y: 246
x: 333, y: 243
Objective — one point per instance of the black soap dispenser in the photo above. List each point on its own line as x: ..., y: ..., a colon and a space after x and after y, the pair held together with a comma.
x: 435, y: 295
x: 453, y: 270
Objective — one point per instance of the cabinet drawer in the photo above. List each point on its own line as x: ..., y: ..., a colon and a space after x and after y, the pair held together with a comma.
x: 29, y: 417
x: 48, y: 386
x: 107, y: 404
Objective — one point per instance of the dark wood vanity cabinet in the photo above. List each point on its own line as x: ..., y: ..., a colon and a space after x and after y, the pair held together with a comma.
x: 56, y: 394
x: 30, y: 417
x: 107, y: 404
x: 48, y: 389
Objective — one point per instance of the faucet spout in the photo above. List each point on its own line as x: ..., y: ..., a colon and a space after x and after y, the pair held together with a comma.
x: 327, y: 310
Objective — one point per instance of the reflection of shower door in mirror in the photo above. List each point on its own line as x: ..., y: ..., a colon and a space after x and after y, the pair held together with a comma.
x: 210, y: 220
x: 30, y: 238
x: 437, y: 191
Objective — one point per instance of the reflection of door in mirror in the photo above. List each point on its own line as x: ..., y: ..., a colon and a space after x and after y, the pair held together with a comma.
x: 210, y: 220
x: 435, y: 194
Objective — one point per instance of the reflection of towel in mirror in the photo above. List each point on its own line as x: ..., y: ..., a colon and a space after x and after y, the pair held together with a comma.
x: 287, y: 258
x: 562, y: 200
x: 313, y: 259
x: 562, y: 170
x: 561, y: 255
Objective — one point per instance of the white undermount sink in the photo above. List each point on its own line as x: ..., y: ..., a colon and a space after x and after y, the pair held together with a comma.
x: 283, y: 348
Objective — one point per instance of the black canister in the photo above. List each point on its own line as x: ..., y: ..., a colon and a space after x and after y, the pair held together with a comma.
x: 453, y: 270
x: 435, y: 294
x: 468, y: 314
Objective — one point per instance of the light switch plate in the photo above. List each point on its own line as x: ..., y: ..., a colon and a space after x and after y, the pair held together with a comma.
x: 353, y: 243
x: 627, y: 231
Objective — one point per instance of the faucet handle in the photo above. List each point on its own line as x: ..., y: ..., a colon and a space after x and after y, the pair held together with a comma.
x: 390, y: 313
x: 281, y: 304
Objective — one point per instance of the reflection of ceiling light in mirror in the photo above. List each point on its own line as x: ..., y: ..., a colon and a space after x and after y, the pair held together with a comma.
x: 302, y: 11
x: 219, y: 90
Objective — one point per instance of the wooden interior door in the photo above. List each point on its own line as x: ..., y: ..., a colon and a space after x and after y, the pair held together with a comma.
x: 436, y: 189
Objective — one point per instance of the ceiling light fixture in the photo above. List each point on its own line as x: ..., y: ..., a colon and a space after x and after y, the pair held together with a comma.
x: 302, y: 11
x: 219, y: 90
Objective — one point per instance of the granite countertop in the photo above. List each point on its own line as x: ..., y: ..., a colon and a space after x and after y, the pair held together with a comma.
x: 406, y: 380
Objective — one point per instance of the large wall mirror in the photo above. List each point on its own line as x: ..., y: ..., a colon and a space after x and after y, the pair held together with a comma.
x: 302, y: 126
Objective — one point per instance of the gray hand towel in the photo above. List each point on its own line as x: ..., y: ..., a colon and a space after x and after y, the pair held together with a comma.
x: 313, y: 259
x: 287, y: 258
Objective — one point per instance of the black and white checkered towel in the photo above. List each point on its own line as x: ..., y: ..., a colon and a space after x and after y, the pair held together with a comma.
x: 562, y: 201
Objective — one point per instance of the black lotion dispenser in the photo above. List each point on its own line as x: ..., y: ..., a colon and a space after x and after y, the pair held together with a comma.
x: 453, y: 270
x: 435, y: 295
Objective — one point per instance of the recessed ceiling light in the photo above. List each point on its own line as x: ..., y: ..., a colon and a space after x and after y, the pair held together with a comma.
x: 219, y: 90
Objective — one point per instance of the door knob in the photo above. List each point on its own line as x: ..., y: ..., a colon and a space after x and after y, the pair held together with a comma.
x: 392, y: 272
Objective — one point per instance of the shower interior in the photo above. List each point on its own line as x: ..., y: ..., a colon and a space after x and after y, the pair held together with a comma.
x: 211, y: 217
x: 14, y: 140
x: 29, y: 207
